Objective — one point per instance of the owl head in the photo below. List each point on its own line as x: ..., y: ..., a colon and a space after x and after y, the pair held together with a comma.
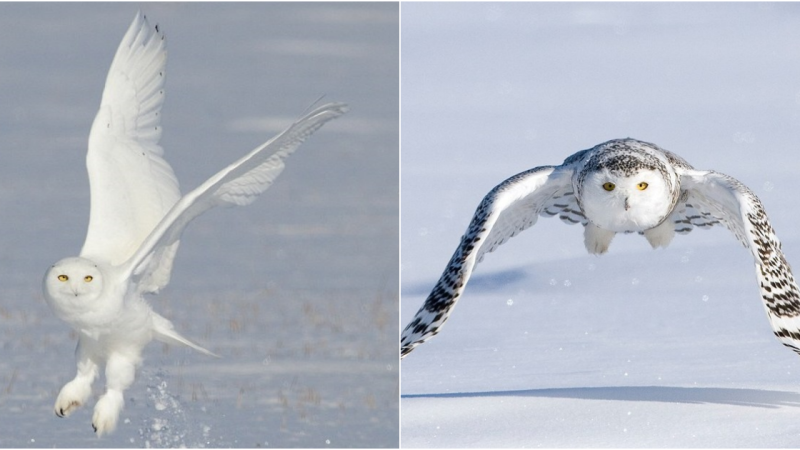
x: 627, y: 190
x: 73, y: 287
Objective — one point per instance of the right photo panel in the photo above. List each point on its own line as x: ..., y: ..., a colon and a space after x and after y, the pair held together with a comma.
x: 599, y: 221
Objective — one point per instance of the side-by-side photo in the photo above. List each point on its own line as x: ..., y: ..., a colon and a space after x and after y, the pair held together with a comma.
x: 216, y: 235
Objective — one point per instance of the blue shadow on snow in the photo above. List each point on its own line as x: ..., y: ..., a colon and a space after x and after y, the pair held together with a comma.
x: 724, y: 396
x: 477, y: 283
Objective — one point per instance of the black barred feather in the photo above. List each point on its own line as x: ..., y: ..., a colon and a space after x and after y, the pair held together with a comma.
x: 699, y: 199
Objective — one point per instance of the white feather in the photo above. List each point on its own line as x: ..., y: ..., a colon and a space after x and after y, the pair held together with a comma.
x: 132, y: 186
x: 136, y: 220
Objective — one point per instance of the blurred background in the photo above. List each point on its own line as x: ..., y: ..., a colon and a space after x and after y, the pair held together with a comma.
x: 298, y: 292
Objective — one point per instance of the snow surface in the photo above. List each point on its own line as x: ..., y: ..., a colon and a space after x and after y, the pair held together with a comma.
x: 551, y: 347
x: 298, y: 292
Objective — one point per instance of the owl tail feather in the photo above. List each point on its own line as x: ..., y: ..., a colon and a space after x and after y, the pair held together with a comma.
x: 164, y: 331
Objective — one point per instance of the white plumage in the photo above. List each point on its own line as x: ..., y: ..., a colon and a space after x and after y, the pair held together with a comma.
x: 622, y: 185
x: 136, y: 220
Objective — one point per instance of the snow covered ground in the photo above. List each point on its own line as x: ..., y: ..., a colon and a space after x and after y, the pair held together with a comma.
x: 298, y: 292
x: 550, y: 347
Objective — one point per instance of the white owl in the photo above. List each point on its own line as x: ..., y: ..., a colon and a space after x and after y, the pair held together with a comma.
x: 137, y: 217
x: 619, y: 186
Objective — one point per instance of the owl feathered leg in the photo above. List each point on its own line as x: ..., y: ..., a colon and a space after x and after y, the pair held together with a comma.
x: 660, y: 235
x: 120, y: 373
x: 75, y: 393
x: 597, y: 239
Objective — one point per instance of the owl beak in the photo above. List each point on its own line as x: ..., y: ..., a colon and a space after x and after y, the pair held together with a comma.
x: 627, y: 205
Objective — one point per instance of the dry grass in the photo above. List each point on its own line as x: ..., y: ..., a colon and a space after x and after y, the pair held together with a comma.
x: 11, y: 381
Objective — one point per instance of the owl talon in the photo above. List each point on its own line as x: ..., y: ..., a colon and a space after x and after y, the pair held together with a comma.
x: 65, y: 411
x: 72, y: 396
x: 106, y: 412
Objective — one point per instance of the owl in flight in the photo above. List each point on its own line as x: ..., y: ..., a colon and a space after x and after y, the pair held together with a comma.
x: 619, y: 186
x: 136, y: 220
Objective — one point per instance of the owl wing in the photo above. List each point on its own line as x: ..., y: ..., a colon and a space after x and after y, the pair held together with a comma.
x: 238, y: 184
x: 509, y: 208
x: 712, y: 198
x: 132, y: 187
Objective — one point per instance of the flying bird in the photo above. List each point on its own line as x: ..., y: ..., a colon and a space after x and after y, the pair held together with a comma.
x: 136, y: 220
x: 619, y: 186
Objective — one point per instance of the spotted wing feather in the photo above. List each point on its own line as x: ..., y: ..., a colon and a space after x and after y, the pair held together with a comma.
x: 696, y: 210
x: 508, y: 209
x: 714, y: 198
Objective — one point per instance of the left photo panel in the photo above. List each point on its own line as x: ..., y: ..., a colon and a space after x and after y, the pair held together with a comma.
x: 200, y: 233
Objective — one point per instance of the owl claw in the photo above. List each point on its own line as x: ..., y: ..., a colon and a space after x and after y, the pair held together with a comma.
x: 65, y: 411
x: 72, y: 396
x: 106, y: 412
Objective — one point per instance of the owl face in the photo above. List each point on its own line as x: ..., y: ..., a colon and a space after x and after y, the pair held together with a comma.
x: 626, y: 201
x: 72, y: 287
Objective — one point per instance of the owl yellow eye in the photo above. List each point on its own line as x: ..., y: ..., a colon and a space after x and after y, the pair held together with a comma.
x: 88, y: 278
x: 63, y: 278
x: 609, y: 186
x: 642, y: 186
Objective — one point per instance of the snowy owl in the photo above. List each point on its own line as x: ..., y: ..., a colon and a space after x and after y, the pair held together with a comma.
x: 136, y: 220
x: 619, y: 186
